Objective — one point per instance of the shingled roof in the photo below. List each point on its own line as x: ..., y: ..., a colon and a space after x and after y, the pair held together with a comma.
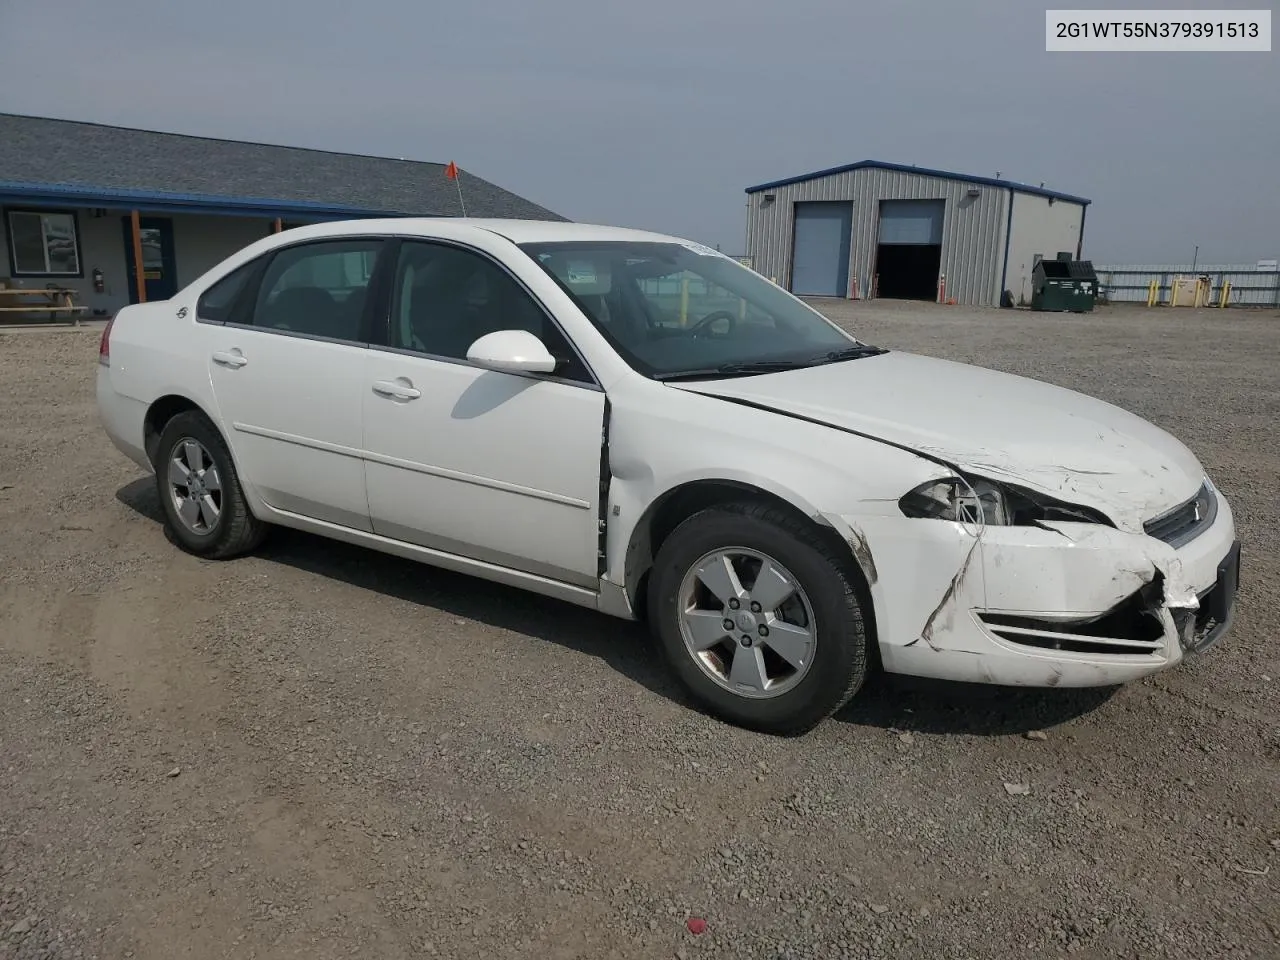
x: 42, y: 155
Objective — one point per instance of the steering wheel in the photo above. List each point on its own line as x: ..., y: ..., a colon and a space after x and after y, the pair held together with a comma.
x: 710, y: 318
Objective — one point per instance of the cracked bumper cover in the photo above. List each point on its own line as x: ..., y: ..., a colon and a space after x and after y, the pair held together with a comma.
x: 1063, y: 604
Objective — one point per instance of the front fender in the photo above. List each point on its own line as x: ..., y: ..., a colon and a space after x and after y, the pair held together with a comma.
x: 820, y: 472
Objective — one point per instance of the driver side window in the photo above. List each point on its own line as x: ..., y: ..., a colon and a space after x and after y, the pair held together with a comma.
x: 445, y: 298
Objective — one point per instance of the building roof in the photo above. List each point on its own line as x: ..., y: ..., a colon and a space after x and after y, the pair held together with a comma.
x: 43, y: 159
x: 924, y: 172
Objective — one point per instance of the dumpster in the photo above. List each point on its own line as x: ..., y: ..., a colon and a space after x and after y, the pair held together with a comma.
x: 1064, y: 284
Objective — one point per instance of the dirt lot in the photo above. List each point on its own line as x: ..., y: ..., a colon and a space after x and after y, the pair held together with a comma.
x: 321, y: 752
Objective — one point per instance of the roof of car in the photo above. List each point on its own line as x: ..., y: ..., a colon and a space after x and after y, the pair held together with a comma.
x: 515, y: 230
x: 547, y: 231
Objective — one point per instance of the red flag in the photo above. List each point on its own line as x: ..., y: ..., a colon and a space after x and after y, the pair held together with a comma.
x: 451, y: 171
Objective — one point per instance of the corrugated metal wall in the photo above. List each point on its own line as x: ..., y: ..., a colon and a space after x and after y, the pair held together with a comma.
x: 1250, y: 286
x: 770, y: 226
x: 973, y: 233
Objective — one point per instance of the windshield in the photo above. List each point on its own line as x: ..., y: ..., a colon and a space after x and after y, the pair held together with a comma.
x: 673, y: 309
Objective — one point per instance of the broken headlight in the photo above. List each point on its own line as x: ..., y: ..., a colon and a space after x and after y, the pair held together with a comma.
x: 986, y: 503
x: 981, y: 502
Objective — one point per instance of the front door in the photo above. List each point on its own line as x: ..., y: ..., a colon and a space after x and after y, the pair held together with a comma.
x: 159, y: 265
x: 498, y: 467
x: 288, y: 376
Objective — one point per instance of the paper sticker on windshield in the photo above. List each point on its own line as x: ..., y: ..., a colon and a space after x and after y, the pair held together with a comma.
x: 699, y: 249
x: 581, y: 273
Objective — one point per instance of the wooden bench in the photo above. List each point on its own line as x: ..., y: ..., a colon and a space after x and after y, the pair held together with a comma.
x: 54, y: 300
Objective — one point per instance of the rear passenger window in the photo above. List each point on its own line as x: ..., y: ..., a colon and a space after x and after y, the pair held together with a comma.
x: 219, y: 300
x: 318, y: 289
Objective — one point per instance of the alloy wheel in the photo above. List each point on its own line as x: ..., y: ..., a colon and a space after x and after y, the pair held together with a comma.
x: 747, y: 622
x: 195, y: 486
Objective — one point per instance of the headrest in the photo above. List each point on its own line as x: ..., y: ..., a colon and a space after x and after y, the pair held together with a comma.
x: 304, y: 297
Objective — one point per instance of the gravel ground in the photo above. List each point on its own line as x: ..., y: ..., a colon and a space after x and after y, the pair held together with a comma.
x: 322, y: 752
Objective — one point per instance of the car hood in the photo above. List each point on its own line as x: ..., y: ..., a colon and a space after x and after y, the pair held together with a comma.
x: 997, y: 425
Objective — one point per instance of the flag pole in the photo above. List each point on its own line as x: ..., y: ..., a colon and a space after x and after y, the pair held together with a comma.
x: 462, y: 203
x: 452, y: 173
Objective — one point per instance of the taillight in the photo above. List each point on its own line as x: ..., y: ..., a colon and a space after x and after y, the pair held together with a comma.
x: 104, y: 345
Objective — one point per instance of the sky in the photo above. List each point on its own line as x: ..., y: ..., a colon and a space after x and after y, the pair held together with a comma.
x: 660, y: 114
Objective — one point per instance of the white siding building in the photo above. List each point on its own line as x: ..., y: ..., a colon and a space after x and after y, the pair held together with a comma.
x: 893, y: 231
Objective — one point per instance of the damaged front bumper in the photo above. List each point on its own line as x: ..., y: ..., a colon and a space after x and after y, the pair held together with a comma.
x: 1059, y: 604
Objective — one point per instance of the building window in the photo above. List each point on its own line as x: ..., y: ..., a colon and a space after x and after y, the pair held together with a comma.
x: 43, y: 244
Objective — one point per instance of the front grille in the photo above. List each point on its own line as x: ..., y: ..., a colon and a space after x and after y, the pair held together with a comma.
x: 1186, y: 521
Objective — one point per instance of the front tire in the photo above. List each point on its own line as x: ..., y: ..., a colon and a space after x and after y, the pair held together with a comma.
x: 759, y: 618
x: 204, y: 506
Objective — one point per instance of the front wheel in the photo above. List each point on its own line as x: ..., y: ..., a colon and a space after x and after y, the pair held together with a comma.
x: 204, y: 507
x: 759, y: 618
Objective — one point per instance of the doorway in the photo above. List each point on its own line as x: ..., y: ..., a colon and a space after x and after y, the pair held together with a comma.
x: 909, y: 249
x: 908, y: 271
x: 159, y: 267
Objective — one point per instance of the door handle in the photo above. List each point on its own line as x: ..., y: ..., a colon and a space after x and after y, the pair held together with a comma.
x: 232, y: 358
x: 397, y: 389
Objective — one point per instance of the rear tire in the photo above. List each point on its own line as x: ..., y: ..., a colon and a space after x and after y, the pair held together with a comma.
x: 806, y: 655
x: 204, y: 506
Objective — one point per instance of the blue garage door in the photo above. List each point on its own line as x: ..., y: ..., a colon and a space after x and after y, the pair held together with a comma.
x: 915, y: 222
x: 820, y: 257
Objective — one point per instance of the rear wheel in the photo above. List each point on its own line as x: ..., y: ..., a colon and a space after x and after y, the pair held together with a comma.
x: 204, y: 506
x: 758, y: 617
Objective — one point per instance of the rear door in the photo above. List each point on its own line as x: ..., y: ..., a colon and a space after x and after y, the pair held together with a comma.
x: 287, y: 370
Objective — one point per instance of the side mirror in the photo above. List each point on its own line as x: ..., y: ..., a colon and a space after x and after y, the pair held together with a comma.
x: 512, y: 351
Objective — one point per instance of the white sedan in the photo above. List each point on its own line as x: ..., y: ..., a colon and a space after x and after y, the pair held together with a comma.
x: 638, y: 424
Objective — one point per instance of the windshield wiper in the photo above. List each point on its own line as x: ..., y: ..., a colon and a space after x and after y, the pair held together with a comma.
x: 741, y: 368
x: 748, y: 367
x: 856, y: 352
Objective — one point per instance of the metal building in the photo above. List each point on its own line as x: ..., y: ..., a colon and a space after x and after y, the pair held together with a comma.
x: 895, y: 231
